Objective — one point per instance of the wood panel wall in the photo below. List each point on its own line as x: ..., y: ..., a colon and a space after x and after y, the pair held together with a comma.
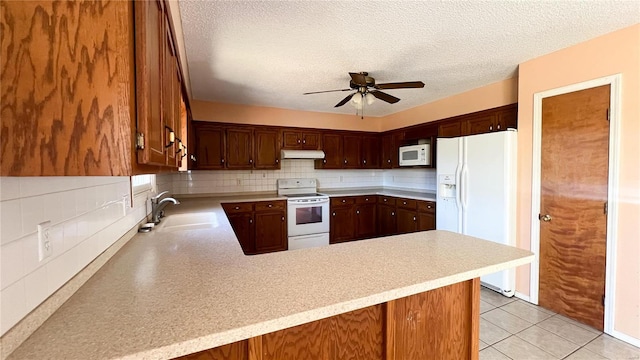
x: 66, y: 81
x: 442, y: 323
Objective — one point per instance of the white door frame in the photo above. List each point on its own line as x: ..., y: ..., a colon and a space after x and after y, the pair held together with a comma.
x: 615, y: 81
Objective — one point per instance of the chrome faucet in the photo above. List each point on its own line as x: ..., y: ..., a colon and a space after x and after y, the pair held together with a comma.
x: 157, y: 205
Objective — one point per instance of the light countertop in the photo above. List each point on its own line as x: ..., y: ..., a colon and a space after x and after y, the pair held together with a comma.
x: 408, y: 194
x: 167, y: 294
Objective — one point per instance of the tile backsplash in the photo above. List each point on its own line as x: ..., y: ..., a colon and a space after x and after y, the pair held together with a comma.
x: 86, y: 214
x: 220, y: 182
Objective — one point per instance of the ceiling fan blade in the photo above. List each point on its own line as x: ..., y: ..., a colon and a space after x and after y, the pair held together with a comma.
x: 385, y: 97
x: 345, y: 100
x: 326, y: 91
x: 401, y: 85
x: 358, y: 79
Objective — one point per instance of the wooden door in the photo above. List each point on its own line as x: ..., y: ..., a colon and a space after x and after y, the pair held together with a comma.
x: 243, y: 227
x: 169, y: 104
x: 480, y: 125
x: 366, y: 221
x: 386, y: 220
x: 407, y: 221
x: 209, y: 147
x: 574, y: 173
x: 239, y: 149
x: 311, y: 141
x: 352, y: 145
x: 150, y: 43
x: 271, y: 231
x: 332, y: 146
x: 450, y: 129
x: 342, y: 224
x: 267, y: 149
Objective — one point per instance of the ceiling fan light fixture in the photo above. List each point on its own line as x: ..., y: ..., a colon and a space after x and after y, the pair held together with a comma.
x: 357, y: 99
x: 370, y: 98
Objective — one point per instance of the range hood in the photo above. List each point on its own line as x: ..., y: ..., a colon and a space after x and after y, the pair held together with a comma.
x: 302, y: 154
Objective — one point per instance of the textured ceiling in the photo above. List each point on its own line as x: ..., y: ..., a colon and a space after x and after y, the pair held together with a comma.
x: 269, y: 53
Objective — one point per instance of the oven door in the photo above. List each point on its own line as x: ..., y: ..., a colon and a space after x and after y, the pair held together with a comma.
x: 308, y: 217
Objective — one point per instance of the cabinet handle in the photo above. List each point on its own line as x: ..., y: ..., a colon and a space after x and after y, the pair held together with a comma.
x: 304, y: 141
x: 498, y: 127
x: 428, y: 206
x: 404, y: 203
x: 250, y: 161
x: 237, y: 208
x: 270, y: 205
x: 490, y: 127
x: 298, y: 141
x: 193, y: 158
x: 277, y: 161
x: 344, y: 201
x: 385, y: 200
x: 388, y: 161
x: 366, y: 199
x: 250, y: 221
x: 222, y: 161
x: 172, y: 137
x: 357, y: 211
x: 334, y: 214
x: 414, y: 218
x: 393, y: 213
x: 345, y: 161
x: 364, y: 162
x: 283, y: 218
x: 324, y: 161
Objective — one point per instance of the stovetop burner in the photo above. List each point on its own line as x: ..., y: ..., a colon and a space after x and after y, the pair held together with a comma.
x: 303, y: 195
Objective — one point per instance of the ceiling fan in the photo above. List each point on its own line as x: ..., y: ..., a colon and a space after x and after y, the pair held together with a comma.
x: 363, y: 84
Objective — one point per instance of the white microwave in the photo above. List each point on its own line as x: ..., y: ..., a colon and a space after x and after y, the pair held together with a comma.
x: 415, y: 155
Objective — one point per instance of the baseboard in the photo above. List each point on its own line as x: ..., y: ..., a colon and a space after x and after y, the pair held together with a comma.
x: 522, y: 296
x: 626, y: 338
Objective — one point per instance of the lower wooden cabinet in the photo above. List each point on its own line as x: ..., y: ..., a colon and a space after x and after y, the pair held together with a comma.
x: 442, y: 323
x: 387, y: 220
x: 261, y: 227
x: 342, y: 221
x: 407, y: 221
x: 365, y: 217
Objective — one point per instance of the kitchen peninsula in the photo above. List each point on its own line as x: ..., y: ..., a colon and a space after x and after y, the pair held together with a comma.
x: 178, y: 291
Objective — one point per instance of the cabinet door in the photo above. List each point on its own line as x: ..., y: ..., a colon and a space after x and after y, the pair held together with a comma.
x: 450, y: 129
x: 507, y: 119
x: 407, y: 221
x: 169, y: 104
x: 267, y: 149
x: 209, y: 147
x: 386, y: 220
x: 351, y: 146
x: 480, y: 125
x: 386, y: 153
x: 243, y: 226
x: 366, y: 221
x: 150, y: 43
x: 370, y: 152
x: 291, y: 140
x: 311, y: 140
x: 271, y: 231
x: 426, y: 221
x: 398, y: 140
x: 239, y: 149
x: 332, y: 146
x: 342, y: 224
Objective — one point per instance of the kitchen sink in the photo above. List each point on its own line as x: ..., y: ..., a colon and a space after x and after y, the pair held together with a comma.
x: 190, y: 221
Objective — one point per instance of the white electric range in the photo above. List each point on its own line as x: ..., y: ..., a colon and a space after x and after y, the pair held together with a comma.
x: 307, y: 213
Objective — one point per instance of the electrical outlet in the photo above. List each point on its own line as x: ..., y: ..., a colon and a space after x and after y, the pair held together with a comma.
x: 45, y: 245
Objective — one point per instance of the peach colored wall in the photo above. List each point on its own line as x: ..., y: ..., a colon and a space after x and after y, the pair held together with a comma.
x: 262, y: 115
x: 493, y: 95
x: 617, y: 52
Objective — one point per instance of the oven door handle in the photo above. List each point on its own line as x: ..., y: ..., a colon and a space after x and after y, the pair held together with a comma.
x: 304, y: 203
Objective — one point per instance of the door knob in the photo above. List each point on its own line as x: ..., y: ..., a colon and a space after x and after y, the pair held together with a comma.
x: 545, y: 217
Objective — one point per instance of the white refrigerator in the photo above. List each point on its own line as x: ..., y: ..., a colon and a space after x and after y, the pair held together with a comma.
x: 476, y: 193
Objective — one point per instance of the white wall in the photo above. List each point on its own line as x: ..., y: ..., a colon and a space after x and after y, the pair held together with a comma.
x: 87, y: 216
x: 220, y: 182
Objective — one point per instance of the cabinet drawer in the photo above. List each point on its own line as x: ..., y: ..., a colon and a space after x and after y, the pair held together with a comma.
x: 406, y: 203
x: 270, y: 205
x: 427, y: 206
x: 368, y: 199
x: 387, y: 200
x: 232, y: 208
x: 343, y: 200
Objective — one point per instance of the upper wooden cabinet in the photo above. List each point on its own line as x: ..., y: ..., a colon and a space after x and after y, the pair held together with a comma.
x: 300, y: 140
x: 239, y: 148
x: 390, y: 143
x: 370, y: 152
x: 209, y: 147
x: 452, y: 128
x: 68, y: 113
x: 332, y: 146
x: 352, y: 146
x: 267, y: 148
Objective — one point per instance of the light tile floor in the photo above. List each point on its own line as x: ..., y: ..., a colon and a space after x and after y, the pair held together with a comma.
x: 511, y: 328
